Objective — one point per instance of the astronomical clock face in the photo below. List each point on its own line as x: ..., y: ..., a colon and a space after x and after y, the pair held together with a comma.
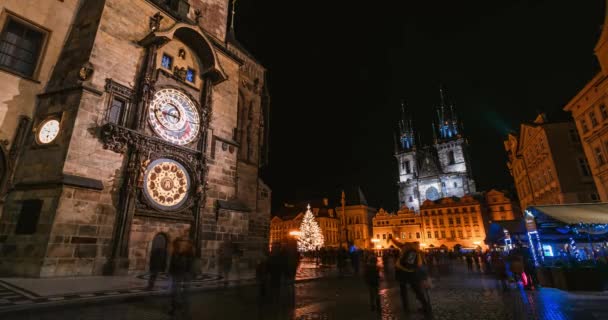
x: 166, y: 184
x: 174, y: 117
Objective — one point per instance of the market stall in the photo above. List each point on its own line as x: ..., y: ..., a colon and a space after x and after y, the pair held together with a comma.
x: 569, y: 245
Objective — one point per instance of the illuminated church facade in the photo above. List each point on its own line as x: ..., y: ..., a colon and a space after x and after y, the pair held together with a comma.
x: 432, y: 172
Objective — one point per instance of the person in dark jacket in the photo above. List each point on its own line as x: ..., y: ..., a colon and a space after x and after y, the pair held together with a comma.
x: 180, y: 270
x: 372, y: 279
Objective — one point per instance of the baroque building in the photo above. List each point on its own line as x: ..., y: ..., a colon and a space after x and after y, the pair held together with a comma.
x: 548, y: 165
x: 346, y: 225
x: 590, y: 112
x: 437, y: 171
x: 127, y: 125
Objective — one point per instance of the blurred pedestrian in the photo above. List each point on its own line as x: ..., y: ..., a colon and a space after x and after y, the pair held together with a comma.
x: 180, y: 270
x: 469, y: 260
x: 225, y: 260
x: 410, y: 272
x: 342, y: 262
x: 372, y: 279
x: 158, y: 263
x: 499, y: 268
x: 291, y: 258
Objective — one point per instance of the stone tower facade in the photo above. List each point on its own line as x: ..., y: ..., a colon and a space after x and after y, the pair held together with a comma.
x: 437, y: 171
x: 146, y: 122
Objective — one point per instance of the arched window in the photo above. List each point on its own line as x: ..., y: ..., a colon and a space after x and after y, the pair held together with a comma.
x: 411, y: 199
x: 451, y: 158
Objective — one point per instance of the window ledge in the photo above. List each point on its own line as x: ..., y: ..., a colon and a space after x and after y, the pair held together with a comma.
x: 17, y: 74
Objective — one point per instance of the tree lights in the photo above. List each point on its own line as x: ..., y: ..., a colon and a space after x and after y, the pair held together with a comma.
x: 310, y: 237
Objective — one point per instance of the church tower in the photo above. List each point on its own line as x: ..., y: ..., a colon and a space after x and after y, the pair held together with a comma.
x: 451, y: 147
x: 406, y: 154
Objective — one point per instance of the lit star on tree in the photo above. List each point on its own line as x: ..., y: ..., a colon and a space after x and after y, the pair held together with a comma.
x: 310, y: 237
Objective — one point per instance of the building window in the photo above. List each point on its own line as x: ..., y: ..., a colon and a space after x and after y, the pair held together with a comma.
x: 584, y: 126
x: 599, y: 156
x: 443, y: 234
x: 469, y: 233
x: 473, y: 209
x: 408, y: 168
x: 453, y: 233
x: 28, y: 217
x: 441, y: 222
x: 384, y: 236
x: 501, y: 208
x: 450, y: 221
x: 593, y: 119
x: 191, y: 75
x: 428, y: 235
x: 378, y: 236
x: 451, y: 158
x: 417, y: 235
x: 167, y: 61
x: 21, y: 46
x: 457, y: 221
x: 119, y: 102
x: 455, y: 185
x: 465, y: 210
x: 460, y: 234
x: 466, y: 220
x: 436, y: 234
x: 603, y: 112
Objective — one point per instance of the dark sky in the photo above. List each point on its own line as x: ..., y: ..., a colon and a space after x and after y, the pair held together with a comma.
x: 338, y: 69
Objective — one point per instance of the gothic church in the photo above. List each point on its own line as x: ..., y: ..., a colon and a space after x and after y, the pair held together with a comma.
x: 437, y: 171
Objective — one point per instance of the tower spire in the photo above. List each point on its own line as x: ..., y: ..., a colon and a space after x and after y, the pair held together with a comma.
x: 407, y: 139
x: 448, y: 121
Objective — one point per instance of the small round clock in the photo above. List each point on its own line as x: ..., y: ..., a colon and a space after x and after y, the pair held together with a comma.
x: 174, y: 117
x: 166, y: 184
x: 47, y: 131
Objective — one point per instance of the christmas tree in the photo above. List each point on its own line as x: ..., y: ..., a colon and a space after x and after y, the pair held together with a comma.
x: 310, y: 237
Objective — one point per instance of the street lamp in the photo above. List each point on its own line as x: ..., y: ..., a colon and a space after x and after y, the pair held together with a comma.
x: 295, y: 233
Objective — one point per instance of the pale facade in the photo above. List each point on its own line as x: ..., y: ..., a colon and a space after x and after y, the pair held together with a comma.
x: 548, y: 165
x: 499, y: 207
x: 281, y: 227
x: 404, y: 226
x: 127, y: 125
x: 437, y: 171
x: 589, y: 108
x: 447, y: 223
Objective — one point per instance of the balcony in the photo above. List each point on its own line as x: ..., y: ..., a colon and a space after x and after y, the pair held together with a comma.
x: 177, y: 8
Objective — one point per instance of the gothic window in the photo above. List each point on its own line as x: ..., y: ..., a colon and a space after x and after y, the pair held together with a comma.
x: 28, y: 217
x: 408, y: 168
x: 191, y: 75
x: 167, y: 61
x: 455, y: 185
x: 451, y: 158
x: 20, y: 46
x: 411, y: 199
x: 119, y: 103
x: 603, y: 112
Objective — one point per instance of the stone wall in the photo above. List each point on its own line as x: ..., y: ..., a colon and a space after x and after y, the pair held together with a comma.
x: 214, y: 16
x: 143, y: 231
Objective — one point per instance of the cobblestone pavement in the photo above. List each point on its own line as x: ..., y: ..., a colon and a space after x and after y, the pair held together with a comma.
x: 459, y: 296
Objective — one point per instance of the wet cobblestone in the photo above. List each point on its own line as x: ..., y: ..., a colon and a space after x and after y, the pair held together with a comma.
x: 460, y: 296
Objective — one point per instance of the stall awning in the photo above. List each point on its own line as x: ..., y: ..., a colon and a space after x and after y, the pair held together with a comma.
x: 571, y: 214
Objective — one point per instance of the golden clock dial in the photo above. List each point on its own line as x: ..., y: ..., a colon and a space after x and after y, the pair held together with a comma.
x: 166, y: 184
x: 47, y: 131
x: 174, y: 117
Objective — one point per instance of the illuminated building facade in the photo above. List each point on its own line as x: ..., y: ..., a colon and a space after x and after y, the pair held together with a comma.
x: 437, y: 171
x: 548, y: 165
x: 589, y: 109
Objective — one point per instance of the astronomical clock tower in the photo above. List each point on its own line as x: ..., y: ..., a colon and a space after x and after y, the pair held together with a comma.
x: 151, y: 127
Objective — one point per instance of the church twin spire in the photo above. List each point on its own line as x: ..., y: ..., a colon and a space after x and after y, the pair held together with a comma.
x: 447, y: 126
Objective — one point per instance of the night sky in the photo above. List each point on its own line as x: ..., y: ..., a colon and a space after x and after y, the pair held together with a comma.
x: 339, y: 69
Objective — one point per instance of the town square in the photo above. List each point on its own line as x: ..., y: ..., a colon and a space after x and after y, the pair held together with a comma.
x: 264, y: 159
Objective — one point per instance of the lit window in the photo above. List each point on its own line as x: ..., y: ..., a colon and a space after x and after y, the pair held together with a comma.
x: 604, y: 112
x: 190, y: 75
x: 443, y: 234
x: 460, y: 234
x: 592, y: 118
x: 599, y: 156
x: 417, y: 235
x: 428, y: 235
x: 167, y: 61
x: 20, y: 47
x: 584, y: 126
x: 436, y: 234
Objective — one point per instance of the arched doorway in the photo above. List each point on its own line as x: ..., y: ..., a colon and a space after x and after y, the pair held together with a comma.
x: 158, y: 253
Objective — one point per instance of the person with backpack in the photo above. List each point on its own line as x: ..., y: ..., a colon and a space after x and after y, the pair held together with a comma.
x: 410, y: 271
